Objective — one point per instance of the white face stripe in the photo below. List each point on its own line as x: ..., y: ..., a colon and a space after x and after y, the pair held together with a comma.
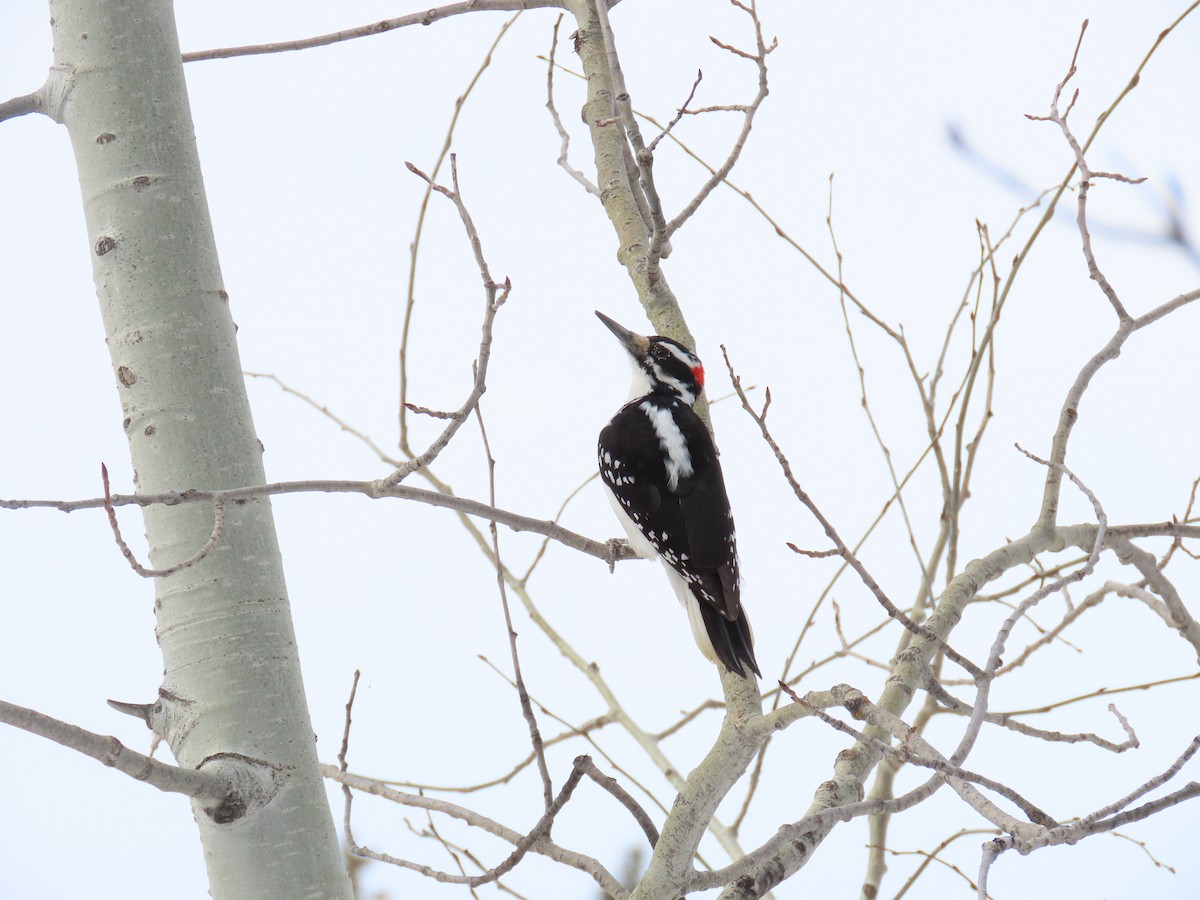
x: 680, y: 388
x: 682, y: 355
x: 670, y: 438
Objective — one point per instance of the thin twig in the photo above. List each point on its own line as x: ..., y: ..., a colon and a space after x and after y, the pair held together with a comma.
x: 926, y: 587
x: 925, y: 756
x: 351, y: 844
x: 564, y: 147
x: 843, y: 551
x: 535, y: 734
x: 1091, y: 695
x: 537, y: 835
x: 213, y: 538
x: 583, y: 731
x: 932, y: 856
x: 814, y: 554
x: 543, y: 847
x: 1127, y: 324
x: 327, y: 413
x: 495, y: 295
x: 425, y: 17
x: 1005, y: 720
x: 558, y: 515
x: 759, y: 58
x: 985, y: 679
x: 414, y: 246
x: 623, y: 797
x: 678, y: 114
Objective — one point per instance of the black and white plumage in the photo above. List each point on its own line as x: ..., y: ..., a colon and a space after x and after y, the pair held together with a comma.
x: 663, y: 478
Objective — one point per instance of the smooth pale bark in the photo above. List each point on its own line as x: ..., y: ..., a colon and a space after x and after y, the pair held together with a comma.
x: 232, y: 691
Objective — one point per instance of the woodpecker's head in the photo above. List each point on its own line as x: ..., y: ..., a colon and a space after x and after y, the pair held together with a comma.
x: 660, y: 365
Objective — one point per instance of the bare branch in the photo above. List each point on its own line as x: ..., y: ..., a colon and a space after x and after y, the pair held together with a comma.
x: 558, y: 515
x: 1127, y: 324
x: 348, y: 796
x: 843, y: 551
x: 759, y: 57
x: 1114, y: 815
x: 623, y: 797
x: 984, y: 681
x: 376, y: 490
x: 679, y: 114
x: 924, y: 756
x: 414, y: 246
x: 535, y: 734
x: 426, y: 17
x: 1086, y: 176
x: 1101, y: 692
x: 536, y: 841
x: 1070, y: 409
x: 583, y: 731
x: 564, y: 147
x: 814, y: 554
x: 926, y: 587
x: 208, y: 787
x: 932, y: 856
x: 1180, y: 617
x: 21, y: 106
x: 218, y: 527
x: 327, y: 413
x: 432, y: 413
x: 495, y: 295
x: 1006, y: 720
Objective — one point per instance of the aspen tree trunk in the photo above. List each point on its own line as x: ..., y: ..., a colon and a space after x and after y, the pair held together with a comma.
x: 231, y: 676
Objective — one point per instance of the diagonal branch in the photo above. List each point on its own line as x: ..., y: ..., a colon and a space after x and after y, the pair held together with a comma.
x: 414, y: 246
x: 759, y: 57
x: 679, y: 113
x: 535, y: 734
x: 843, y: 551
x: 1069, y: 414
x: 535, y: 840
x: 495, y: 295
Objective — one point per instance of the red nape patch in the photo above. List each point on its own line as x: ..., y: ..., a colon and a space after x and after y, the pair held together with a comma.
x: 698, y: 371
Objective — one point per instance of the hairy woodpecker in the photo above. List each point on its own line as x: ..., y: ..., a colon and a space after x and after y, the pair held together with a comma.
x: 660, y: 468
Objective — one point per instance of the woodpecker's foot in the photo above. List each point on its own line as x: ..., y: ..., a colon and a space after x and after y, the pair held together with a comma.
x: 618, y: 548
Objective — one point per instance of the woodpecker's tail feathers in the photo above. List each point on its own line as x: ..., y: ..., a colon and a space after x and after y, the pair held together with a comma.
x: 731, y: 640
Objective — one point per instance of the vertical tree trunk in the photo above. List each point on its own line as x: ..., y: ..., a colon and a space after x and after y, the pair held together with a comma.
x: 231, y: 685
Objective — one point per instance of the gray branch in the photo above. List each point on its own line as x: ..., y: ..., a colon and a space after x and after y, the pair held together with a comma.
x: 425, y: 17
x: 376, y: 490
x: 203, y: 786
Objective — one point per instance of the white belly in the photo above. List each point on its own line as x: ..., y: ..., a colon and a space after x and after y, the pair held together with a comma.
x: 643, y: 548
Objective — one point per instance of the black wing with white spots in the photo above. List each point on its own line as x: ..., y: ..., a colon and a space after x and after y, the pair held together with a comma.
x: 658, y: 459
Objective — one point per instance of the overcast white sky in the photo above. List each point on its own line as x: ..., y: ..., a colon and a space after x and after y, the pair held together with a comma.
x: 303, y: 158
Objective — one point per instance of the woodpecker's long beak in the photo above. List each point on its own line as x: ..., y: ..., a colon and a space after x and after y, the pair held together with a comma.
x: 637, y: 345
